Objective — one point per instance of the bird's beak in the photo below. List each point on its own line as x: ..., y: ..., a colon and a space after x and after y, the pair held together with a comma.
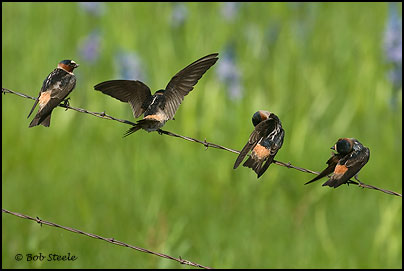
x: 333, y: 148
x: 76, y: 65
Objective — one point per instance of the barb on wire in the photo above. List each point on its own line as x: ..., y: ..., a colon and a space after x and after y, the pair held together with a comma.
x: 288, y: 165
x: 102, y: 115
x: 205, y: 143
x: 208, y: 144
x: 363, y: 185
x: 109, y: 240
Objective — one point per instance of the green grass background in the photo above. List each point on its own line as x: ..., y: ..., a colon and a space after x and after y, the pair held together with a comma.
x: 324, y: 76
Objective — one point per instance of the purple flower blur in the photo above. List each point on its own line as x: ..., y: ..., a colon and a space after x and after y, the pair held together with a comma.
x: 272, y: 32
x: 89, y: 48
x: 393, y: 48
x: 229, y: 74
x: 94, y: 8
x: 179, y: 14
x: 393, y: 35
x: 229, y: 10
x: 130, y: 66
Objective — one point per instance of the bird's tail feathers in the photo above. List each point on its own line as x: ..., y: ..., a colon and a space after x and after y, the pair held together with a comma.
x: 254, y: 164
x: 132, y: 130
x: 265, y: 166
x: 38, y: 120
x: 146, y: 124
x: 332, y: 183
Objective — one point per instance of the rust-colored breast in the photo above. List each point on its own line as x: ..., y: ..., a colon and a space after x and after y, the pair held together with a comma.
x: 44, y: 98
x: 157, y: 117
x: 261, y: 152
x: 340, y: 169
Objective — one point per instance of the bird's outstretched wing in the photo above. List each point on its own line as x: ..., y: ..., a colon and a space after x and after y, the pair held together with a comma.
x: 184, y: 81
x: 129, y: 91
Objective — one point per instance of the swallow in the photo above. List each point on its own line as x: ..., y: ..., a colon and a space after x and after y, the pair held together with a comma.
x: 55, y: 88
x: 351, y: 156
x: 265, y: 141
x: 160, y: 107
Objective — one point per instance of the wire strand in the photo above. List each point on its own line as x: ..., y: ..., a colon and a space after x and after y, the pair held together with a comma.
x: 109, y: 240
x: 103, y: 115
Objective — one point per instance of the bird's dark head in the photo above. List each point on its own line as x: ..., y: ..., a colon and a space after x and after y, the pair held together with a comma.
x: 343, y: 145
x: 260, y: 116
x: 68, y: 65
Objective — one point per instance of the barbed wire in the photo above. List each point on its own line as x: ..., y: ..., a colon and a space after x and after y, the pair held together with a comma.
x: 208, y: 144
x: 288, y: 165
x: 103, y: 115
x: 109, y: 240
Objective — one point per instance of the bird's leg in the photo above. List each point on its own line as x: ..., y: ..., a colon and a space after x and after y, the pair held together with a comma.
x: 360, y: 183
x: 66, y: 103
x: 351, y: 182
x: 160, y: 131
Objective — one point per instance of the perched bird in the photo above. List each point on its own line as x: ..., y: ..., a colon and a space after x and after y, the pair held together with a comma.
x: 351, y: 156
x: 264, y: 141
x: 160, y: 107
x: 55, y: 88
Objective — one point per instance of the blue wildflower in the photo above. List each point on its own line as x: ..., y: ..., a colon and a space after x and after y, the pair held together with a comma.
x: 130, y: 66
x: 89, y: 48
x: 393, y: 46
x: 179, y: 14
x: 94, y: 8
x: 393, y: 36
x: 229, y: 74
x: 229, y: 10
